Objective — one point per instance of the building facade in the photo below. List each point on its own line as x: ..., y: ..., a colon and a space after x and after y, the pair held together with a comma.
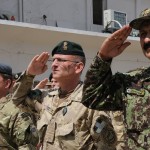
x: 29, y: 27
x: 85, y: 15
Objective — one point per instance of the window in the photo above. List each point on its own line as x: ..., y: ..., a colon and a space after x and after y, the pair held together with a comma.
x: 98, y: 7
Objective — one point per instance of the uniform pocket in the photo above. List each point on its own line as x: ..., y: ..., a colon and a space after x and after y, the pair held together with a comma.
x: 64, y: 130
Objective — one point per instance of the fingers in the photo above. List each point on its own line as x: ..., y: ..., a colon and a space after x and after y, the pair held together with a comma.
x: 44, y: 81
x: 43, y: 58
x: 124, y: 46
x: 122, y: 33
x: 34, y: 58
x: 41, y: 84
x: 126, y: 33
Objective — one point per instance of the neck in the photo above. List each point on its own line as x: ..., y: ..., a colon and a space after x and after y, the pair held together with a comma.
x: 3, y: 94
x: 68, y: 87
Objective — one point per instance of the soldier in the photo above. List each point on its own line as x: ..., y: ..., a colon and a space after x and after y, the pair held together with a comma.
x: 53, y: 82
x: 17, y: 130
x: 6, y: 80
x: 64, y: 122
x: 128, y: 92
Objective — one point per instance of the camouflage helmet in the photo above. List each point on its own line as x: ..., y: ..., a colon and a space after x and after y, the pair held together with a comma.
x: 144, y: 16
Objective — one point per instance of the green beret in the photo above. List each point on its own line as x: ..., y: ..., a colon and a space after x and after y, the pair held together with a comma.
x: 144, y: 16
x: 68, y: 48
x: 5, y: 69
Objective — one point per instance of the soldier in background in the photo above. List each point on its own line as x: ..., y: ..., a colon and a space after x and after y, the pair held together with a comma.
x: 54, y: 84
x: 17, y: 130
x: 64, y: 122
x: 47, y: 83
x: 127, y: 92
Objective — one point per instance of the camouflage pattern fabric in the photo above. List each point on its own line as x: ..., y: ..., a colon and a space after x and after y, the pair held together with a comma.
x: 17, y: 131
x: 118, y: 124
x: 70, y: 125
x: 128, y: 92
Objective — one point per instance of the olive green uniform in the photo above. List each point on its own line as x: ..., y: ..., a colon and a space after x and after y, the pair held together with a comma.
x: 128, y: 93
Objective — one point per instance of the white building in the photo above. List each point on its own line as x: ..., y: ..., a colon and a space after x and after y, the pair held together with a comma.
x: 40, y: 24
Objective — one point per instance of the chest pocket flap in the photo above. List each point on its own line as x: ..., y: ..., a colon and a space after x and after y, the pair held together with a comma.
x: 64, y: 129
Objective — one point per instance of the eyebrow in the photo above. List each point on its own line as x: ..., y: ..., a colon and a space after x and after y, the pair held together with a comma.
x: 61, y: 59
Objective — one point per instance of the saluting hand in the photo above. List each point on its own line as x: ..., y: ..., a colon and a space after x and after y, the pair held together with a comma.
x: 41, y: 84
x: 115, y: 44
x: 38, y: 64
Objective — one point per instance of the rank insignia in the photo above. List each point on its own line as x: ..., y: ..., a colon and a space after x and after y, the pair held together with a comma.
x: 64, y: 111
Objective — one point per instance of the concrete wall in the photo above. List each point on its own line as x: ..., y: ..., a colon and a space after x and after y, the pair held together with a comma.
x: 61, y: 13
x: 10, y: 7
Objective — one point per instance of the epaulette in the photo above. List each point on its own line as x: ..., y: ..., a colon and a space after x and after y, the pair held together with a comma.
x: 135, y: 71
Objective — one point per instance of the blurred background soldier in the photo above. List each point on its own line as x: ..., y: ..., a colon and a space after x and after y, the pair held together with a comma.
x: 17, y: 130
x: 54, y: 84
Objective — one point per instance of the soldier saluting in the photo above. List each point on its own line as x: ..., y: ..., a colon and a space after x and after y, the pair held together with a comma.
x: 67, y: 123
x: 128, y: 92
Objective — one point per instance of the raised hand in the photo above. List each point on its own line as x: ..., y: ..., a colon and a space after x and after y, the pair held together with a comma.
x: 115, y: 44
x: 38, y: 64
x: 41, y: 84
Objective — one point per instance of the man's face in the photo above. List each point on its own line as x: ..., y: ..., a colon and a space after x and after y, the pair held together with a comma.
x: 54, y: 83
x: 145, y: 40
x: 3, y: 86
x: 64, y: 67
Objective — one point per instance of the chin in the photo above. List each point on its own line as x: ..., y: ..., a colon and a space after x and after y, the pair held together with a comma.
x: 147, y: 55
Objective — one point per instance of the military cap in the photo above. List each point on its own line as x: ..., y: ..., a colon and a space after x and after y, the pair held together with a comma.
x: 68, y: 48
x: 5, y: 69
x: 144, y: 16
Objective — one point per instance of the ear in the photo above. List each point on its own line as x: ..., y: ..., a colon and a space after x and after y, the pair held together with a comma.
x: 8, y: 83
x: 79, y: 67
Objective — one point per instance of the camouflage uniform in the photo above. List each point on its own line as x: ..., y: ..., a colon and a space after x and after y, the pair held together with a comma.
x: 117, y: 122
x: 121, y: 92
x: 70, y: 125
x: 17, y: 130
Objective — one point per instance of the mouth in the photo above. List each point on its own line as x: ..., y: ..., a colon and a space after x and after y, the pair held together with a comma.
x: 146, y: 47
x: 54, y: 71
x: 147, y: 51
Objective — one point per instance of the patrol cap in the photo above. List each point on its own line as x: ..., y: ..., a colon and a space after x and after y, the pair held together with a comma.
x: 144, y: 16
x: 68, y: 48
x: 5, y: 69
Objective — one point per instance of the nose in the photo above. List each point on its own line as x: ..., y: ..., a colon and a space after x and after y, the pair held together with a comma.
x: 54, y: 63
x: 147, y: 38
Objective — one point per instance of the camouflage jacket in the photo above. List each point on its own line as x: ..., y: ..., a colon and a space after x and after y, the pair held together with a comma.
x: 70, y: 125
x: 128, y: 92
x: 17, y: 131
